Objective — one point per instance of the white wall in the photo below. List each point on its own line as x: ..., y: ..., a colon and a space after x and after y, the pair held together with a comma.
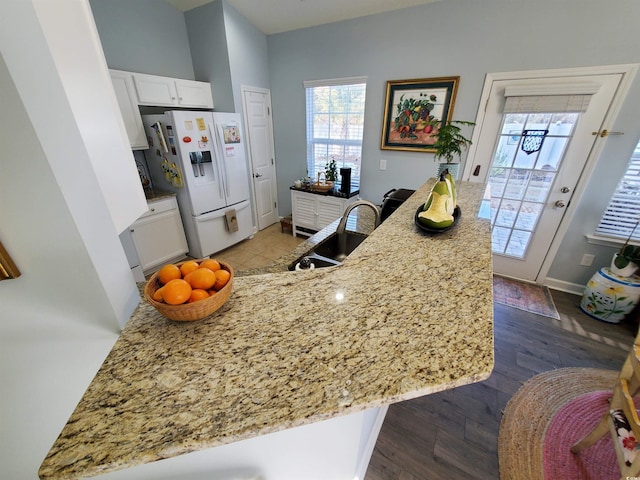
x: 59, y: 319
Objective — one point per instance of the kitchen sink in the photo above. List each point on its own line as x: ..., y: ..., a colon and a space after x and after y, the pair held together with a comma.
x: 333, y: 250
x: 338, y: 246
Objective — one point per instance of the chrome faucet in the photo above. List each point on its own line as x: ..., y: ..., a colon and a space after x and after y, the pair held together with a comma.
x: 343, y: 221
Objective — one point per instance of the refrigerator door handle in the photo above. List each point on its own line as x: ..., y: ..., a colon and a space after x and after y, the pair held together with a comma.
x: 160, y: 134
x: 216, y: 160
x: 220, y: 143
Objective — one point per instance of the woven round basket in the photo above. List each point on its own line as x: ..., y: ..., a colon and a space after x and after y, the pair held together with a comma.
x: 322, y: 187
x: 530, y: 412
x: 189, y: 311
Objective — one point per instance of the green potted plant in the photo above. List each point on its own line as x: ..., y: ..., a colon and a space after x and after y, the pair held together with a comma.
x: 450, y: 142
x: 331, y: 171
x: 627, y: 260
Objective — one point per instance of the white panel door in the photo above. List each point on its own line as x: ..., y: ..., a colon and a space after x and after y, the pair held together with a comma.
x: 256, y: 104
x: 530, y: 192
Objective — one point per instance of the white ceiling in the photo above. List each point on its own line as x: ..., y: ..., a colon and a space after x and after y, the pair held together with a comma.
x: 276, y: 16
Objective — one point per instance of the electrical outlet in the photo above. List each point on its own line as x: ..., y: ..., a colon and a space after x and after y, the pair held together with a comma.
x: 587, y: 259
x: 383, y: 164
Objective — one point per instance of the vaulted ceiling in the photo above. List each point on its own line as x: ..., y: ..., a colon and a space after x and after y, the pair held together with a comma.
x: 276, y: 16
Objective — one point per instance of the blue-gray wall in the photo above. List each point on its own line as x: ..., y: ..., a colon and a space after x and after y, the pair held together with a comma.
x: 227, y: 51
x: 145, y: 36
x: 470, y: 39
x: 248, y: 55
x: 466, y: 38
x: 209, y: 51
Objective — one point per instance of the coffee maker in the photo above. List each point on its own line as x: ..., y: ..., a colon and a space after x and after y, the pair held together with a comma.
x: 345, y: 182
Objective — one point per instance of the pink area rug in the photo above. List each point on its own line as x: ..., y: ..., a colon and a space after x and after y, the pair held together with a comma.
x: 547, y: 415
x: 571, y: 422
x: 524, y: 296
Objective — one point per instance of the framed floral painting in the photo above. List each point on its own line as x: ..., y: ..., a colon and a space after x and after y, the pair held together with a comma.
x: 8, y: 269
x: 413, y: 111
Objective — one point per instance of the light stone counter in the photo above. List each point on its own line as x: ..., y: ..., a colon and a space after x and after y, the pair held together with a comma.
x: 407, y: 314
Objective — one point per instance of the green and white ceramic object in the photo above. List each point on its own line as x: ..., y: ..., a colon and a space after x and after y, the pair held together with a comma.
x: 610, y: 297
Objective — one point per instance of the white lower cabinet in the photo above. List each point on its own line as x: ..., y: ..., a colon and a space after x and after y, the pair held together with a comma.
x: 315, y: 211
x: 158, y: 235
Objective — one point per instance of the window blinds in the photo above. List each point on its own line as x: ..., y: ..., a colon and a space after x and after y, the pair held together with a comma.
x: 335, y: 124
x: 622, y: 215
x: 549, y: 98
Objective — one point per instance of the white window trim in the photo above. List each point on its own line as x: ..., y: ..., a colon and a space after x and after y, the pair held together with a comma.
x: 333, y: 82
x: 607, y: 241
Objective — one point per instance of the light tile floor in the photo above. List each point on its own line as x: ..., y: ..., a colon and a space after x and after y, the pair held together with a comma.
x: 265, y: 247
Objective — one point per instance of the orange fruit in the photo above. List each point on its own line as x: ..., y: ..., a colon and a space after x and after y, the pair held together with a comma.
x: 202, y: 278
x: 188, y: 267
x: 222, y: 278
x: 168, y: 272
x: 176, y: 291
x: 211, y: 264
x: 198, y: 294
x: 157, y: 295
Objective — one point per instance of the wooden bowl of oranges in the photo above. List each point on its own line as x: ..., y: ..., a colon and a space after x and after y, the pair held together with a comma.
x: 190, y: 290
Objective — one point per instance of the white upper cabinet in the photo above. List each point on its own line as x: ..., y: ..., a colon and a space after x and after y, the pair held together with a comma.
x: 135, y: 89
x: 194, y: 94
x: 128, y: 102
x: 172, y: 92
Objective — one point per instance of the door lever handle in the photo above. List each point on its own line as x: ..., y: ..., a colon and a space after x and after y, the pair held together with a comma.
x: 257, y: 175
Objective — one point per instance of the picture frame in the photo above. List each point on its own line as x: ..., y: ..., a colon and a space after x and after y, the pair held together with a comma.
x: 8, y: 269
x: 413, y: 111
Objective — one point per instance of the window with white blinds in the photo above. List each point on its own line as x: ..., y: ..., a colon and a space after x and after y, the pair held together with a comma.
x: 564, y: 97
x: 335, y: 125
x: 622, y: 215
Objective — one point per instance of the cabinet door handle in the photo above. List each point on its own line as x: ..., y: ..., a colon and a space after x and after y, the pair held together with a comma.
x: 131, y: 230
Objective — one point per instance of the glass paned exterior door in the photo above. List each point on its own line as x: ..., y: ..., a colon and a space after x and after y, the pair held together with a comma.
x: 520, y: 182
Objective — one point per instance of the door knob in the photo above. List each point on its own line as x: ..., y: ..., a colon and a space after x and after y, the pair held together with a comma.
x: 560, y: 204
x: 565, y: 189
x: 257, y: 175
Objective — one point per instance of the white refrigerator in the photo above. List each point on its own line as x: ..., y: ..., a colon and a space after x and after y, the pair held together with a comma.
x: 200, y: 156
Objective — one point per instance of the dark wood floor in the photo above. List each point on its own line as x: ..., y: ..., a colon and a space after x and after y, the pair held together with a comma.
x: 454, y: 434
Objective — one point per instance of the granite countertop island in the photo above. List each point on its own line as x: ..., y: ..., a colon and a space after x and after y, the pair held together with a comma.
x: 407, y: 314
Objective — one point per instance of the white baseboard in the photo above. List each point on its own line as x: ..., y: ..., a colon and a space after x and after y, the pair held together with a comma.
x: 555, y: 284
